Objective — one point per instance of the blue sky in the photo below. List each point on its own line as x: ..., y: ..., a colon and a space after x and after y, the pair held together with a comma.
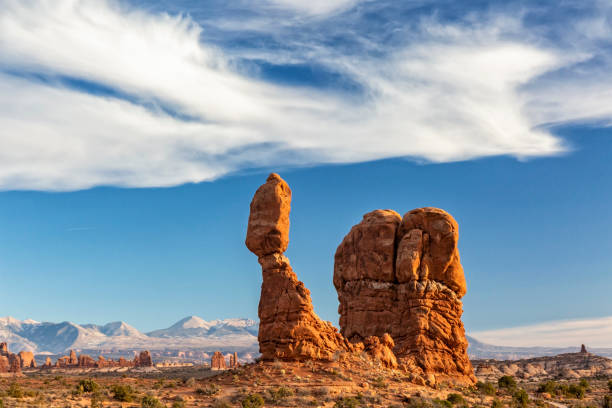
x: 135, y: 133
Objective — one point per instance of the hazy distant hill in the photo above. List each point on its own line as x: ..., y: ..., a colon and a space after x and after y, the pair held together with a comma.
x: 189, y: 333
x: 478, y: 350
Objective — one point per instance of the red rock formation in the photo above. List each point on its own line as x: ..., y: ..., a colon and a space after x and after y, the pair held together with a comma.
x: 86, y: 361
x: 233, y: 360
x: 381, y: 348
x: 288, y: 327
x: 583, y: 349
x: 73, y: 360
x: 14, y: 363
x: 27, y: 359
x: 217, y: 362
x: 9, y: 362
x: 48, y: 363
x: 4, y: 364
x: 143, y: 359
x: 403, y: 277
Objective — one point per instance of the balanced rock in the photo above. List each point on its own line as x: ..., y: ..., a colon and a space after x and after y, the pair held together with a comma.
x: 403, y: 276
x: 288, y: 327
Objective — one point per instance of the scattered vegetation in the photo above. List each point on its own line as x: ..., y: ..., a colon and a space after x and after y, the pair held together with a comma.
x: 347, y: 402
x: 149, y: 401
x: 507, y: 382
x: 277, y: 395
x: 455, y: 399
x: 577, y: 391
x: 212, y: 389
x: 15, y: 391
x: 520, y: 398
x: 253, y: 401
x: 485, y: 388
x: 123, y: 393
x: 87, y: 385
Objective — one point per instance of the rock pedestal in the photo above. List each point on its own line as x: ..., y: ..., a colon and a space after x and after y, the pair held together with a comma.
x: 217, y: 361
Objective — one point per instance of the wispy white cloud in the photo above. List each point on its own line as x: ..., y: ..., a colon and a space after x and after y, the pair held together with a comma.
x: 596, y: 332
x: 454, y: 93
x: 314, y: 7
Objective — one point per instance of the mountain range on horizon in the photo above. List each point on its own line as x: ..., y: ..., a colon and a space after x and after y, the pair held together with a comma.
x: 194, y: 333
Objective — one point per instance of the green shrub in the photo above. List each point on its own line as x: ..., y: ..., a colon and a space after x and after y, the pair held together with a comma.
x: 485, y: 388
x: 253, y: 401
x: 96, y: 400
x: 15, y: 391
x: 149, y: 401
x: 212, y: 389
x: 87, y: 385
x: 379, y: 382
x: 122, y: 393
x: 497, y: 404
x: 347, y: 402
x: 221, y: 404
x: 607, y: 401
x: 584, y: 384
x: 507, y: 381
x: 575, y: 391
x: 279, y: 394
x: 178, y: 404
x: 610, y: 385
x: 520, y: 398
x: 455, y: 398
x: 550, y: 387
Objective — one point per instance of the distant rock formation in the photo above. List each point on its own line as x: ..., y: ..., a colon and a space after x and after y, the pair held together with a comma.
x: 562, y: 366
x: 27, y: 359
x: 73, y: 360
x: 403, y: 276
x: 143, y: 359
x: 217, y: 361
x: 48, y: 363
x: 583, y: 349
x: 9, y: 362
x: 233, y: 363
x: 288, y: 327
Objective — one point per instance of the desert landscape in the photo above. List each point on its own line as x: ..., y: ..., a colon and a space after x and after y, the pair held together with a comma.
x: 401, y: 341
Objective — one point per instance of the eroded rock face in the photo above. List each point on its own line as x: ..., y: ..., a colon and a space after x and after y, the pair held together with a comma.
x: 288, y: 327
x: 27, y: 359
x: 143, y: 359
x: 403, y: 276
x: 217, y: 361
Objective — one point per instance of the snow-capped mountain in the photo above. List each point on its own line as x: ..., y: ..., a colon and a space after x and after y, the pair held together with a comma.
x: 189, y: 333
x: 193, y: 326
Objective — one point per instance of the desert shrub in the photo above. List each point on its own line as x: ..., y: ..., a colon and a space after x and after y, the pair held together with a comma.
x: 497, y: 404
x: 221, y: 404
x: 15, y: 391
x: 253, y: 401
x: 575, y: 391
x: 322, y: 392
x: 584, y: 384
x: 1, y: 403
x: 87, y: 385
x: 455, y: 398
x: 438, y: 403
x: 379, y: 382
x: 507, y: 382
x: 520, y: 398
x: 485, y: 388
x: 212, y: 389
x: 123, y: 393
x: 549, y: 387
x: 279, y: 394
x: 178, y: 404
x: 607, y: 401
x: 610, y: 385
x: 149, y: 401
x: 96, y: 400
x: 347, y: 402
x: 189, y: 382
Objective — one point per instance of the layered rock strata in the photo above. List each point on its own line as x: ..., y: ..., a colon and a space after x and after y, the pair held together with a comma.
x: 217, y: 361
x: 403, y: 276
